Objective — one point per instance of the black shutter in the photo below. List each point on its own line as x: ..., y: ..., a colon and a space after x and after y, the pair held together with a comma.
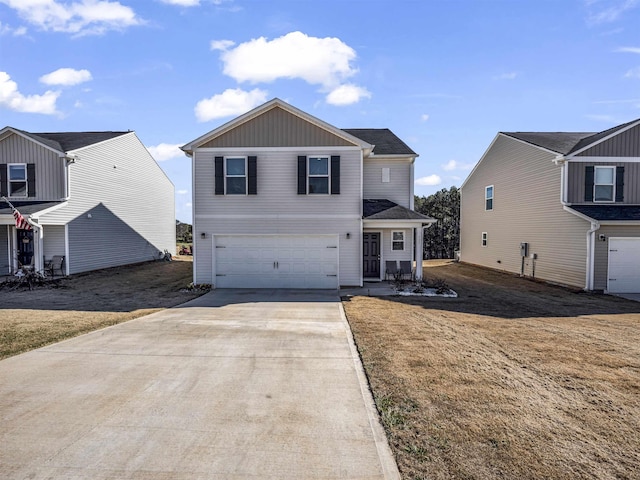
x: 253, y: 175
x: 335, y: 174
x: 619, y: 184
x: 219, y: 172
x: 4, y: 190
x: 31, y: 179
x: 589, y: 173
x: 302, y: 175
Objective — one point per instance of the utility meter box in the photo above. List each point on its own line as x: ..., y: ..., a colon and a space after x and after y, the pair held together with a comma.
x: 524, y: 249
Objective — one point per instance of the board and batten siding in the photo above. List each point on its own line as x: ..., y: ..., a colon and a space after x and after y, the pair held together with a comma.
x: 398, y: 188
x: 276, y: 128
x: 625, y: 144
x: 631, y: 181
x: 50, y: 167
x: 601, y: 254
x: 4, y: 250
x: 277, y: 208
x: 130, y: 201
x: 526, y: 208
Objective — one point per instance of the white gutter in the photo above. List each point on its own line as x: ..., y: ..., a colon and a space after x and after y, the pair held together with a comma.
x: 561, y: 161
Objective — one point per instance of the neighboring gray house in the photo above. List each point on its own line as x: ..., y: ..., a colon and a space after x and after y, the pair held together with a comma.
x: 563, y: 207
x: 283, y: 199
x: 97, y: 198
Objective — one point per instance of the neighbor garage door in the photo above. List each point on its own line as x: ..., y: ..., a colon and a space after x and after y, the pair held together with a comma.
x: 624, y: 265
x: 276, y: 261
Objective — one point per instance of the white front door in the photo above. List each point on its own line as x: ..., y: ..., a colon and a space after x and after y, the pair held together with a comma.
x: 276, y: 261
x: 624, y: 265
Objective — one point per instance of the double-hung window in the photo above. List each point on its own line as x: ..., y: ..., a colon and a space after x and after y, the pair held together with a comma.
x: 604, y: 181
x: 235, y: 175
x: 484, y: 239
x: 319, y: 175
x: 17, y: 180
x: 488, y: 197
x: 397, y: 240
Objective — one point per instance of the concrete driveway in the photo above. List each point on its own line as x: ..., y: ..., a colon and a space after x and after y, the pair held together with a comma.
x: 235, y: 384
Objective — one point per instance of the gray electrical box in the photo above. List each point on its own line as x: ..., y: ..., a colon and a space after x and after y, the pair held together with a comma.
x: 524, y: 249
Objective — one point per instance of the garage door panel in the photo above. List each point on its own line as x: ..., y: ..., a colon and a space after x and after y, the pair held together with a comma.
x: 276, y: 261
x: 624, y: 265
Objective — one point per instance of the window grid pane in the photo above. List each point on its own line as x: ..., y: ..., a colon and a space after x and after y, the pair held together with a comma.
x: 236, y: 186
x: 17, y: 172
x: 318, y: 185
x: 318, y: 166
x: 235, y: 167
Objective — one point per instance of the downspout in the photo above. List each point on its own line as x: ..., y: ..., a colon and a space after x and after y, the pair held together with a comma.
x: 595, y: 225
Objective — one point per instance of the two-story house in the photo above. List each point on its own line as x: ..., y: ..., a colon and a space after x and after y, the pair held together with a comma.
x: 97, y: 198
x: 282, y: 199
x: 563, y: 207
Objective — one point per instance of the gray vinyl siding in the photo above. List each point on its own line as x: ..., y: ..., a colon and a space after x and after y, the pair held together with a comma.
x: 277, y: 208
x: 4, y: 250
x: 54, y: 240
x: 625, y: 144
x: 131, y: 202
x: 526, y: 208
x: 601, y: 254
x: 50, y: 176
x: 276, y: 128
x: 631, y: 181
x: 398, y: 189
x: 388, y: 253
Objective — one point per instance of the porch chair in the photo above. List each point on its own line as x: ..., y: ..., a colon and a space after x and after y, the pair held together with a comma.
x: 390, y: 269
x: 406, y: 270
x: 56, y: 263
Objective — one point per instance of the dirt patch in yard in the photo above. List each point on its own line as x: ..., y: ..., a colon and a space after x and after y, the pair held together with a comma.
x: 513, y: 379
x: 84, y: 302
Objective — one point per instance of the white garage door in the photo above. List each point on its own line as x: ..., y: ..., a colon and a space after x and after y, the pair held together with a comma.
x: 276, y: 261
x: 624, y: 265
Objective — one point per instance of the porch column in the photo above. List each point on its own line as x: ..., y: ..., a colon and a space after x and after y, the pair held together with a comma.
x: 419, y: 251
x: 38, y: 250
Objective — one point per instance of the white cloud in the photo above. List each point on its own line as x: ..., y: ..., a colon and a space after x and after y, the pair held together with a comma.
x: 602, y: 118
x: 81, y: 17
x: 347, y: 94
x: 231, y: 102
x: 182, y: 3
x: 318, y: 61
x: 429, y: 181
x: 66, y: 76
x: 16, y: 32
x: 450, y: 165
x: 165, y: 151
x: 611, y: 12
x: 424, y: 117
x: 628, y: 49
x: 12, y: 99
x: 182, y: 192
x: 222, y: 44
x: 633, y: 73
x: 506, y: 76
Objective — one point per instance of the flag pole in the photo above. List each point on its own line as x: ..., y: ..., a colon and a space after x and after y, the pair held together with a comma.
x: 14, y: 209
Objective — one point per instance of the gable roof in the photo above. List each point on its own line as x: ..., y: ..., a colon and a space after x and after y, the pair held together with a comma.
x: 567, y: 143
x: 67, y: 141
x: 382, y: 209
x: 384, y: 140
x: 274, y: 103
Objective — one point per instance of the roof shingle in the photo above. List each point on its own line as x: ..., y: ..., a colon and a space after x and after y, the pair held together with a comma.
x: 385, y: 141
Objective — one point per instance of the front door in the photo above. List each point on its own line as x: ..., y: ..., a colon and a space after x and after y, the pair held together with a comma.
x: 371, y: 255
x: 25, y: 247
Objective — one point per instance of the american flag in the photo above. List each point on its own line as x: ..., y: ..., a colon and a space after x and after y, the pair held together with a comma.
x: 21, y: 222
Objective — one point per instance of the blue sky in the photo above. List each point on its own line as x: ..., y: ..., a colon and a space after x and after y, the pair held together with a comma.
x: 445, y: 76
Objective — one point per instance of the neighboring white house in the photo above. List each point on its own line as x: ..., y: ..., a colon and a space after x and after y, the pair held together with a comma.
x: 283, y: 199
x: 97, y: 198
x: 559, y: 206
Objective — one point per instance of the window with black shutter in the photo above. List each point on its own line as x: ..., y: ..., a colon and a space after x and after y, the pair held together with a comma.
x: 619, y: 184
x: 319, y: 175
x: 4, y: 190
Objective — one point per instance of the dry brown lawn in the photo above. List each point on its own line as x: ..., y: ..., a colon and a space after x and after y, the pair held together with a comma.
x: 514, y: 379
x: 84, y: 302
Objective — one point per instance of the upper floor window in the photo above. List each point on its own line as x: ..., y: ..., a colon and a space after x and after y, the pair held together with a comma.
x: 488, y: 198
x: 17, y: 180
x: 235, y: 175
x: 603, y: 185
x: 318, y: 175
